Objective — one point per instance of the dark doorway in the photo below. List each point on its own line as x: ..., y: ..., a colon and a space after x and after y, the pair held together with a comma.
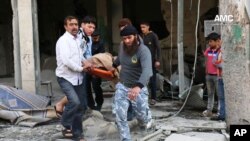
x: 150, y: 11
x: 6, y: 39
x: 51, y: 14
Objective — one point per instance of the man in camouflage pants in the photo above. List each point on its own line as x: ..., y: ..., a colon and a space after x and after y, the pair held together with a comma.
x: 136, y: 70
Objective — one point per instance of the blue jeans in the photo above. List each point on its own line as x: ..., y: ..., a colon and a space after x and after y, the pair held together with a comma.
x: 212, y: 87
x: 77, y: 104
x: 221, y: 96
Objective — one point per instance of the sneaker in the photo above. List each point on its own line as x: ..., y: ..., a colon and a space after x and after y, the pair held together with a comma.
x: 152, y: 102
x: 145, y: 126
x: 207, y: 113
x: 150, y: 124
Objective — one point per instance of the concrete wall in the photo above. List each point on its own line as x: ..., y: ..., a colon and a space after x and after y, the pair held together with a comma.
x: 236, y: 68
x: 116, y: 16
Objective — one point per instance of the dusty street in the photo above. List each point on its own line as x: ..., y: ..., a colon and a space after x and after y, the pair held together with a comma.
x: 52, y: 130
x: 187, y: 123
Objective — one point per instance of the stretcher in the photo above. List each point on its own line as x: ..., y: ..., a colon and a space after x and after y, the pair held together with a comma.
x: 105, y: 74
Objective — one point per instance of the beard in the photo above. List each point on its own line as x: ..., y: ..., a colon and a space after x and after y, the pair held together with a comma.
x: 130, y: 50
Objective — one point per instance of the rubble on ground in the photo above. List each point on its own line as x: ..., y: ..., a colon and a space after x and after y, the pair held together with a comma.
x: 188, y: 124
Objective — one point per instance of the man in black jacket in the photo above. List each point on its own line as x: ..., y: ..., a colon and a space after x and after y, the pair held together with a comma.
x: 150, y: 39
x: 97, y: 47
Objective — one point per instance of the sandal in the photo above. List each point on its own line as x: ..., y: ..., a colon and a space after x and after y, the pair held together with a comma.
x: 67, y: 133
x: 58, y: 113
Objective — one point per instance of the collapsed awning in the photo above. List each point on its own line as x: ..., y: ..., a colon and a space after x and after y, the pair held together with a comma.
x: 17, y: 99
x: 24, y: 108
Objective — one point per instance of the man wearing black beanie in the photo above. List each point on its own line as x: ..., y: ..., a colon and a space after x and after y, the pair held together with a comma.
x: 136, y: 70
x: 129, y: 30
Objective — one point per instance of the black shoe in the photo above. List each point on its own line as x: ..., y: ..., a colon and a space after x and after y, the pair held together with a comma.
x: 217, y: 118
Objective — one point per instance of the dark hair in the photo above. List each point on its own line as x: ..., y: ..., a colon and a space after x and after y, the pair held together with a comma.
x: 89, y: 19
x: 69, y: 18
x: 96, y: 33
x: 124, y: 22
x: 145, y: 23
x: 213, y: 36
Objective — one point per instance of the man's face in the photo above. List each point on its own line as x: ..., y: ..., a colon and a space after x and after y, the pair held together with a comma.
x: 128, y: 40
x: 88, y: 28
x: 144, y: 28
x: 72, y: 27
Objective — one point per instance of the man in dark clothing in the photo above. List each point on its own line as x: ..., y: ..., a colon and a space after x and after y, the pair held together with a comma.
x: 150, y: 39
x: 97, y: 47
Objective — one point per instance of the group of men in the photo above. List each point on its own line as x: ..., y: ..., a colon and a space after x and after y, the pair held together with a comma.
x: 138, y: 57
x: 138, y: 63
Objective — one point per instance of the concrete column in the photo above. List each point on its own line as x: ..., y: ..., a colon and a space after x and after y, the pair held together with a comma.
x: 117, y: 15
x: 36, y: 46
x: 236, y: 68
x: 17, y: 63
x: 27, y: 52
x: 247, y: 5
x: 180, y: 45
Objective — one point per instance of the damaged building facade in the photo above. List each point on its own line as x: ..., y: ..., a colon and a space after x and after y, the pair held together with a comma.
x: 30, y: 28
